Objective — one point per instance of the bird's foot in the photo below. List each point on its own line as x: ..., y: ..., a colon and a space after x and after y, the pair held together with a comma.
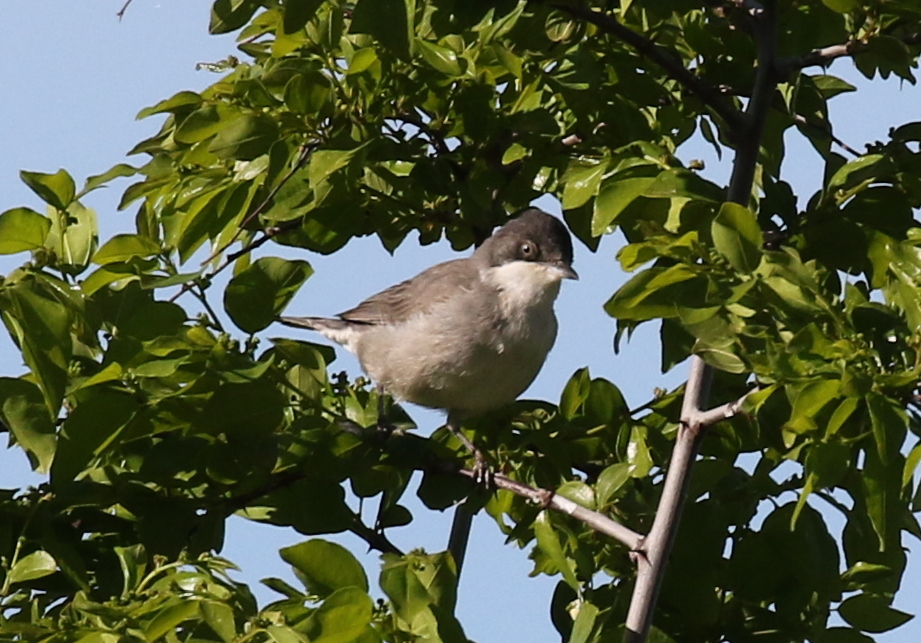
x: 483, y: 474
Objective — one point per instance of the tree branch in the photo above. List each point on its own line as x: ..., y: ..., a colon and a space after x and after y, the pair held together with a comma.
x: 720, y: 413
x: 121, y: 12
x: 597, y: 521
x: 375, y: 539
x: 801, y: 120
x: 708, y: 94
x: 824, y: 56
x: 747, y: 135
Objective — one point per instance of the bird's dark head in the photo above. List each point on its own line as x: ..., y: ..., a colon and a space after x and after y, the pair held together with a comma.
x: 535, y: 237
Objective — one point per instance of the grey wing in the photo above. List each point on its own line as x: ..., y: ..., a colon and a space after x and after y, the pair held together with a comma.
x: 417, y: 295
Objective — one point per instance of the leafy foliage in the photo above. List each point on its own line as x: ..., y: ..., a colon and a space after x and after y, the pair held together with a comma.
x: 155, y: 423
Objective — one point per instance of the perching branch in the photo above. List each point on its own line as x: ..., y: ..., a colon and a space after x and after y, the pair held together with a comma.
x: 708, y: 94
x: 597, y: 521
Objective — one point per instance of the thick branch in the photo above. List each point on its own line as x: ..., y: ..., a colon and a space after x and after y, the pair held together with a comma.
x: 708, y: 94
x: 658, y: 545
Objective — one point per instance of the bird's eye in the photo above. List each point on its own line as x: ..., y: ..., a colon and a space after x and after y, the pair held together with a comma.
x: 528, y: 250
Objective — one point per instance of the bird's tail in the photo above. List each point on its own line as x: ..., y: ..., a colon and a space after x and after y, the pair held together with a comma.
x: 313, y: 323
x: 338, y: 330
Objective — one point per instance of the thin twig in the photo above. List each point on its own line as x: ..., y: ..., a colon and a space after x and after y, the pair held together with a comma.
x: 121, y: 12
x: 200, y: 295
x: 710, y: 95
x: 824, y: 56
x: 435, y: 137
x: 268, y: 233
x: 801, y: 120
x: 304, y: 154
x: 723, y: 412
x: 375, y: 539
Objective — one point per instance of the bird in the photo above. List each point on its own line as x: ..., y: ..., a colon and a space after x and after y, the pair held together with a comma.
x: 466, y: 336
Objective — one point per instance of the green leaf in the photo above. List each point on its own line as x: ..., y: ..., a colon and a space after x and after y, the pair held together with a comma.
x: 440, y: 58
x: 872, y: 613
x: 203, y: 123
x: 657, y: 293
x: 256, y: 296
x: 855, y: 172
x: 38, y: 564
x: 57, y: 190
x: 882, y: 486
x: 42, y: 328
x: 298, y: 13
x: 308, y: 93
x: 123, y: 247
x: 22, y: 229
x: 911, y: 463
x: 581, y: 183
x: 575, y: 393
x: 722, y: 359
x: 889, y: 422
x: 220, y: 618
x: 362, y: 60
x: 841, y: 6
x: 613, y: 199
x: 90, y: 429
x: 73, y: 238
x: 862, y: 573
x: 811, y: 397
x: 323, y: 163
x: 342, y: 617
x: 610, y: 482
x: 390, y: 21
x: 737, y: 236
x: 133, y: 563
x: 579, y: 492
x: 118, y: 171
x: 181, y: 102
x: 245, y: 138
x: 639, y: 459
x: 584, y: 624
x: 176, y: 611
x: 230, y: 15
x: 679, y: 183
x: 325, y: 566
x: 24, y: 412
x: 548, y: 542
x: 423, y: 591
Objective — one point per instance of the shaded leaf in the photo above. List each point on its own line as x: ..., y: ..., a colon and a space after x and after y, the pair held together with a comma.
x: 256, y: 296
x: 325, y: 566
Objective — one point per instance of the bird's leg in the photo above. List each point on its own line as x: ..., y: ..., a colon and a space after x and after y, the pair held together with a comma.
x: 482, y: 473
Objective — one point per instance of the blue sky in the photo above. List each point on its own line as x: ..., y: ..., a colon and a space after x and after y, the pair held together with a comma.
x: 74, y: 77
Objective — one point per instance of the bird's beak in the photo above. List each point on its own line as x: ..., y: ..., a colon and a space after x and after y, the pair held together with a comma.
x: 568, y: 272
